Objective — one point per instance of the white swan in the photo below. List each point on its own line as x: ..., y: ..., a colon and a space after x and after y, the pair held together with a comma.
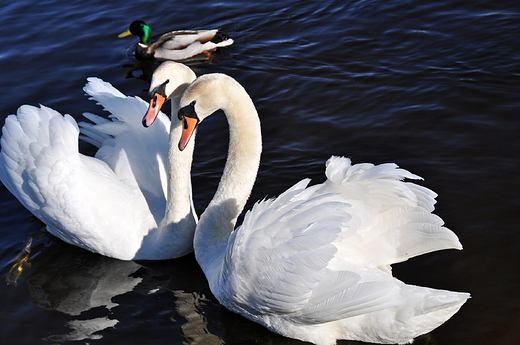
x: 113, y: 204
x: 314, y: 263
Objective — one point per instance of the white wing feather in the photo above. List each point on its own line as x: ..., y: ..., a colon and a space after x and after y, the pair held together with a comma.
x: 322, y: 253
x: 80, y: 197
x: 137, y: 155
x: 45, y: 171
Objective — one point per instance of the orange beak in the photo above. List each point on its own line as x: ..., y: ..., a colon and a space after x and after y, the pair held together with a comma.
x: 189, y: 125
x: 153, y: 109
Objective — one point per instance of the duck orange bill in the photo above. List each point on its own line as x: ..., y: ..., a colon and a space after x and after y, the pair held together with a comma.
x: 189, y: 125
x: 153, y: 109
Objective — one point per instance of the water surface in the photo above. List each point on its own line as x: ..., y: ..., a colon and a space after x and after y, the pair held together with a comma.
x: 433, y: 87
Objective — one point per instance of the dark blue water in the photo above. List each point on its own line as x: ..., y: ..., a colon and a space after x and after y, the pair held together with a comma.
x: 433, y: 86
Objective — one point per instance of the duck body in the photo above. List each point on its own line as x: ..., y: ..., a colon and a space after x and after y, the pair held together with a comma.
x: 314, y: 263
x: 176, y: 45
x: 114, y: 203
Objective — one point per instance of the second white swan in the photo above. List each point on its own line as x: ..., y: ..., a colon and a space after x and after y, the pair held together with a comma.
x: 131, y: 201
x: 314, y: 263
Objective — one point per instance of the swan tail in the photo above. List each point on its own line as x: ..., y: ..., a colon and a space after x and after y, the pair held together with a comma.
x: 357, y: 291
x: 421, y: 310
x: 424, y: 310
x: 379, y: 307
x: 395, y: 220
x: 421, y: 301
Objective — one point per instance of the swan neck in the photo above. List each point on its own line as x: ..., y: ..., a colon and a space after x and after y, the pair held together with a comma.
x: 178, y: 225
x: 178, y: 198
x: 218, y: 221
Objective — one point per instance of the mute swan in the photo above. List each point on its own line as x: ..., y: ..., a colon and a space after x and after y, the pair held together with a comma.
x: 114, y: 204
x: 175, y: 45
x: 314, y: 263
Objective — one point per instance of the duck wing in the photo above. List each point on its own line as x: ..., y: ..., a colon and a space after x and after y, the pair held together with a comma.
x: 183, y: 44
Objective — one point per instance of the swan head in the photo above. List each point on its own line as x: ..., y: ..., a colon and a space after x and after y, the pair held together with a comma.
x: 190, y: 121
x: 203, y: 97
x: 169, y: 81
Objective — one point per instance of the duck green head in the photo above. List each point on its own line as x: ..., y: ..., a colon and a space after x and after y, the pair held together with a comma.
x: 141, y: 29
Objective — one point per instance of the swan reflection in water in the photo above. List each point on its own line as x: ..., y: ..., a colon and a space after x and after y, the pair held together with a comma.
x: 95, y: 295
x: 74, y: 281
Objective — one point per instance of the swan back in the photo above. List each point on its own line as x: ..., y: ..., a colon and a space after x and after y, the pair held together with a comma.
x: 124, y: 144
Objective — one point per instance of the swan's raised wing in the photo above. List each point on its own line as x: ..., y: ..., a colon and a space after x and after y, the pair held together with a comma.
x: 75, y: 195
x: 322, y: 253
x: 137, y: 155
x: 396, y: 220
x: 278, y: 261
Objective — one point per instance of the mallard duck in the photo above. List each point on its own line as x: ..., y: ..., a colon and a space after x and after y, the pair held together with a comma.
x: 175, y: 45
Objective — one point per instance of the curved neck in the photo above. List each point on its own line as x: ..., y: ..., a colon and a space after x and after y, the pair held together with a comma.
x: 218, y: 220
x: 178, y: 197
x: 175, y: 232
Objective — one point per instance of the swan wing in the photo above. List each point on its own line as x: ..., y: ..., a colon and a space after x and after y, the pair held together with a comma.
x: 393, y: 218
x: 279, y: 258
x: 323, y: 252
x: 137, y: 155
x: 80, y: 198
